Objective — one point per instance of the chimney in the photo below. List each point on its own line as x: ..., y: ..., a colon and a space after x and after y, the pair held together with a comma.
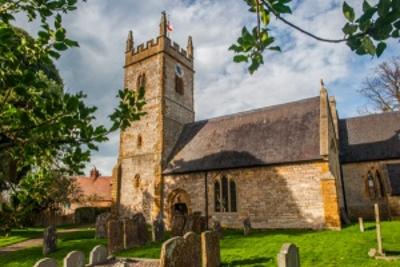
x: 94, y: 173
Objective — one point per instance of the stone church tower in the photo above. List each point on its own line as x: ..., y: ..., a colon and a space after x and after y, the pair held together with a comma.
x: 166, y: 72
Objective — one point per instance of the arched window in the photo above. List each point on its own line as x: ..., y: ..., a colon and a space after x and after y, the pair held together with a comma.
x: 225, y: 195
x: 217, y: 196
x: 179, y: 85
x: 381, y: 186
x: 371, y: 185
x: 141, y: 81
x: 136, y: 181
x: 139, y: 141
x: 232, y: 190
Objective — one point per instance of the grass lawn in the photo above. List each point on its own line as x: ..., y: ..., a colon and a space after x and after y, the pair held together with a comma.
x: 348, y: 247
x: 19, y: 235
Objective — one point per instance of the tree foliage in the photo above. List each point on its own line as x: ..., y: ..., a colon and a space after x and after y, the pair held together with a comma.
x: 365, y: 34
x: 44, y: 130
x: 382, y: 87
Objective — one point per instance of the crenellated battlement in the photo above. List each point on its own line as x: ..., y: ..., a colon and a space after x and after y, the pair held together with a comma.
x: 155, y: 46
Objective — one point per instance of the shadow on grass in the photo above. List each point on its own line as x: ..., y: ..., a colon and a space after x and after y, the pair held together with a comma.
x: 392, y: 253
x: 253, y: 261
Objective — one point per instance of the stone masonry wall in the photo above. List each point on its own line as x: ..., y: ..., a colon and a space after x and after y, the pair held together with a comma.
x: 140, y: 160
x: 359, y: 202
x: 286, y: 196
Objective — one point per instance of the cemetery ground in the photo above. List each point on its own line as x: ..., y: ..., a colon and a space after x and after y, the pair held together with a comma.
x: 348, y: 247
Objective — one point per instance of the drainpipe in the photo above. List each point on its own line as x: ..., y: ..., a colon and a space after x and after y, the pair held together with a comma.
x: 206, y: 197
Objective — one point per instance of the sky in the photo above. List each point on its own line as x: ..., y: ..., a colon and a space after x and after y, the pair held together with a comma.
x: 221, y: 86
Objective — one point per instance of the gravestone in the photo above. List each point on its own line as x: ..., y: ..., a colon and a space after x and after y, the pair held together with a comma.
x: 115, y: 236
x: 130, y: 233
x: 98, y: 255
x: 178, y: 225
x: 49, y: 240
x: 361, y: 223
x: 101, y: 224
x: 378, y: 229
x: 181, y: 251
x: 246, y: 226
x: 216, y: 226
x: 46, y: 262
x: 198, y: 223
x: 210, y: 250
x: 74, y: 259
x: 158, y: 229
x: 289, y: 256
x: 140, y: 223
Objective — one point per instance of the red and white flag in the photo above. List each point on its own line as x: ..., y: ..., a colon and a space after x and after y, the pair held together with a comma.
x: 170, y: 28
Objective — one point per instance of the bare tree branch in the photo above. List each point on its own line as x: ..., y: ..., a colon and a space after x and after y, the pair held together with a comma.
x: 383, y: 89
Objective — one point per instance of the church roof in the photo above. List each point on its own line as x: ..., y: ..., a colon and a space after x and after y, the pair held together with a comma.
x: 371, y: 137
x: 271, y: 135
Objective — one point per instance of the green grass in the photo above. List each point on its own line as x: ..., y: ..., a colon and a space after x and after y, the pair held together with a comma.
x: 81, y: 240
x: 19, y: 235
x: 348, y: 247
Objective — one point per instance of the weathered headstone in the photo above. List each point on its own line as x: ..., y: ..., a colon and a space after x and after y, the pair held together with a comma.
x: 49, y: 240
x: 210, y: 250
x: 378, y: 229
x: 216, y: 226
x: 361, y: 223
x: 198, y: 223
x: 101, y: 224
x: 178, y: 224
x: 130, y: 233
x: 115, y: 235
x: 46, y: 262
x: 121, y: 263
x: 98, y: 255
x: 181, y: 251
x: 158, y: 229
x: 289, y: 256
x: 74, y: 259
x: 140, y: 223
x: 246, y: 226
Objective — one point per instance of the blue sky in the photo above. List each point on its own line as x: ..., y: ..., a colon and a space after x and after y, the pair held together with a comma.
x: 221, y: 86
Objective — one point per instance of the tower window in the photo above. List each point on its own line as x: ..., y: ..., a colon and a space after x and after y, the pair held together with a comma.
x: 136, y: 181
x: 139, y: 141
x: 141, y: 81
x: 179, y: 85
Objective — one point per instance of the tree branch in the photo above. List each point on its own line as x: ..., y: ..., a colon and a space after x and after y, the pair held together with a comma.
x: 278, y: 16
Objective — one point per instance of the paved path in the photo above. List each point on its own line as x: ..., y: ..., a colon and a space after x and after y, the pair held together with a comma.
x: 35, y: 242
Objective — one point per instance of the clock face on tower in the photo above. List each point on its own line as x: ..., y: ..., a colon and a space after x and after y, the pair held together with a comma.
x: 179, y: 70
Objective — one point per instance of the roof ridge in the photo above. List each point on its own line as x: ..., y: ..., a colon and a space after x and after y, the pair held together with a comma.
x: 372, y: 115
x: 245, y: 112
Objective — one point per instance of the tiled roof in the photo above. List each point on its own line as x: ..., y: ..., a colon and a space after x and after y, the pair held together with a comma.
x: 276, y: 134
x: 372, y: 137
x: 99, y: 187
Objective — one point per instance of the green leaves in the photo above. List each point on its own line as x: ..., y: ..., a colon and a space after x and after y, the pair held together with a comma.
x: 348, y: 12
x: 251, y: 45
x: 130, y: 108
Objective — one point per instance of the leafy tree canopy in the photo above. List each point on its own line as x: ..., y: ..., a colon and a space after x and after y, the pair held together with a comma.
x: 365, y: 34
x: 42, y: 128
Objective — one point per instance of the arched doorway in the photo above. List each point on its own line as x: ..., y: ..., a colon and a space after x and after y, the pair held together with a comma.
x: 178, y: 204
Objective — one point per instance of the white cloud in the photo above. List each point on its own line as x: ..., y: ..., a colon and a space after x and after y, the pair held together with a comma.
x: 221, y: 86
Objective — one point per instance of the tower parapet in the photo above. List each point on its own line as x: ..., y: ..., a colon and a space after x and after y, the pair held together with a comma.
x: 161, y: 44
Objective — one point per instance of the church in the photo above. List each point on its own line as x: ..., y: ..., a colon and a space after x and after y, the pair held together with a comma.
x: 293, y: 165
